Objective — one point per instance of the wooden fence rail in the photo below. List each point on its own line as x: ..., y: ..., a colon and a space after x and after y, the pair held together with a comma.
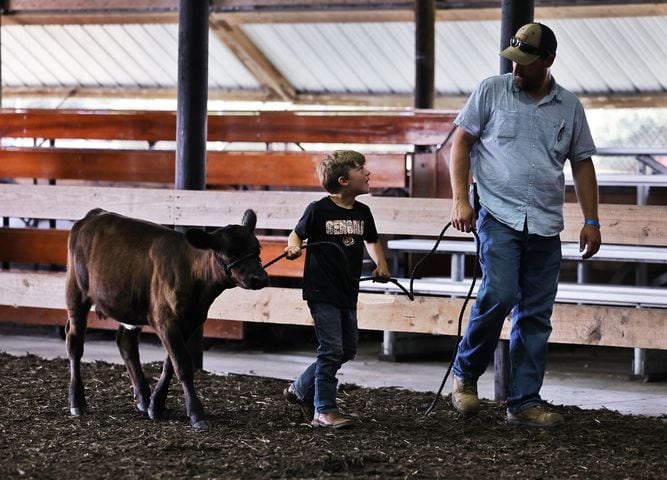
x: 582, y: 324
x: 622, y: 224
x: 575, y: 324
x: 274, y: 169
x: 37, y: 297
x: 420, y: 127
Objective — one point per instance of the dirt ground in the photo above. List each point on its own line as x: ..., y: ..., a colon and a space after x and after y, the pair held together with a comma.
x: 257, y: 435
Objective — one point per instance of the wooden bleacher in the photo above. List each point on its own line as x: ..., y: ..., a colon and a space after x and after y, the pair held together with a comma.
x: 626, y: 326
x: 151, y: 166
x: 37, y: 296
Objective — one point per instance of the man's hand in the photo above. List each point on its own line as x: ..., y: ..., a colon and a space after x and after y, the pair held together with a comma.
x: 292, y: 252
x: 589, y: 241
x: 463, y: 216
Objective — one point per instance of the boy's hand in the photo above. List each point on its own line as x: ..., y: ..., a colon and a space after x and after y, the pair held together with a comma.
x: 292, y: 252
x: 381, y: 275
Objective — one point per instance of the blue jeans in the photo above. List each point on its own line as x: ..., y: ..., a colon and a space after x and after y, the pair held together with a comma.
x: 337, y: 337
x: 520, y: 275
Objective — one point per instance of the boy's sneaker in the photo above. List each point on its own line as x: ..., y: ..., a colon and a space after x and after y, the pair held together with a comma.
x: 331, y: 420
x: 464, y: 396
x: 535, y: 417
x: 307, y: 408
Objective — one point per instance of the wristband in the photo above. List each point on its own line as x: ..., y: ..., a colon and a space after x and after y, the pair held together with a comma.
x: 594, y: 223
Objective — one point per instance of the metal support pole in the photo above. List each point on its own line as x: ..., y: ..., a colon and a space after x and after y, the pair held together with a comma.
x: 2, y: 12
x: 5, y: 220
x: 191, y: 116
x: 514, y: 14
x: 458, y: 267
x: 192, y: 95
x: 424, y: 53
x: 422, y: 181
x: 641, y: 278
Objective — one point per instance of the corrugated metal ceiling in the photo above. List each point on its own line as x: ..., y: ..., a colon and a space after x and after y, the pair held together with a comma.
x: 134, y: 56
x: 597, y: 56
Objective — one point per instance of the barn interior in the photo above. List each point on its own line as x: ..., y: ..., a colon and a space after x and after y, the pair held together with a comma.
x: 262, y: 89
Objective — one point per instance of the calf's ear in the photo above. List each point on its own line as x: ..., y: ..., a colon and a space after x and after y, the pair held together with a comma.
x: 250, y: 219
x: 199, y: 238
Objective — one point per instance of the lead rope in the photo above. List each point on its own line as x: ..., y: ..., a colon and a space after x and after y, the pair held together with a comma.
x: 461, y: 312
x: 410, y: 293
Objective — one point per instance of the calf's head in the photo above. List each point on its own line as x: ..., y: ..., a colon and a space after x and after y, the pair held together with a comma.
x: 236, y: 250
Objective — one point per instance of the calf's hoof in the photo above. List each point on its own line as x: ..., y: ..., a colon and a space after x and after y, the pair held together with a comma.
x: 201, y: 425
x: 142, y: 408
x: 155, y: 413
x: 76, y: 411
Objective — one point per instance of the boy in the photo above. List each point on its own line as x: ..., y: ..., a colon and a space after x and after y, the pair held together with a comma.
x: 335, y: 227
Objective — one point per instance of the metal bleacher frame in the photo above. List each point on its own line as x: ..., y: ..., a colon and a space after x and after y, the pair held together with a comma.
x: 653, y: 174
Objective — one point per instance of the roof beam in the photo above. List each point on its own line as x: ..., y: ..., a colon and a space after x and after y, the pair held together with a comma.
x: 149, y: 7
x: 253, y: 59
x: 341, y: 5
x: 74, y: 6
x: 142, y: 16
x: 237, y: 12
x: 442, y: 102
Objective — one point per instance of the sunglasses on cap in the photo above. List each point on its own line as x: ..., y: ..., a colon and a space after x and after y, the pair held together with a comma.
x: 527, y: 48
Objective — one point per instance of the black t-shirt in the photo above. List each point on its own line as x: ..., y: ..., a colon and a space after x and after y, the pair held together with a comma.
x: 329, y: 276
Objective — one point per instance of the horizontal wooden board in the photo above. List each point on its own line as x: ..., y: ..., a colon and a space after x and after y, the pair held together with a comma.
x: 419, y: 127
x: 227, y: 329
x: 33, y: 245
x: 295, y: 169
x: 274, y: 169
x: 49, y: 246
x: 621, y: 224
x: 573, y: 324
x: 88, y: 164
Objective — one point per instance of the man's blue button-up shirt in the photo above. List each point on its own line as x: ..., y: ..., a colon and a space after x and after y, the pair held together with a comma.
x: 522, y: 146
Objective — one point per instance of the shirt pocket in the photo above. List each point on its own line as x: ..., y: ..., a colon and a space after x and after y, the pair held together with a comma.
x: 509, y: 128
x: 561, y: 138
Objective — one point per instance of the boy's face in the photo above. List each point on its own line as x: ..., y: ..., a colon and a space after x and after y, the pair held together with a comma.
x: 357, y: 181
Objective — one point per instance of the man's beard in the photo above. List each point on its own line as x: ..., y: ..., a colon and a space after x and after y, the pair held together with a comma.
x: 528, y: 85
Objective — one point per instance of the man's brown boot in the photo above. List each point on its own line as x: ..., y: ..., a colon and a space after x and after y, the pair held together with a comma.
x: 464, y: 396
x: 535, y: 417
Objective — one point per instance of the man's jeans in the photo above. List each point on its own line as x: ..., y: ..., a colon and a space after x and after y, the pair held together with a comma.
x: 337, y: 336
x: 520, y: 275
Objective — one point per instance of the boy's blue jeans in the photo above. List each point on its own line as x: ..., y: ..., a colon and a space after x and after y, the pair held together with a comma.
x: 520, y: 275
x: 337, y: 337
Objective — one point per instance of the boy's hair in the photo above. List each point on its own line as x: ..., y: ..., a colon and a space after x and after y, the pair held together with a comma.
x: 338, y: 164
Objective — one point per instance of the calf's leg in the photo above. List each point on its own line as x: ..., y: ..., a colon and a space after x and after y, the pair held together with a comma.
x: 173, y: 342
x: 128, y: 345
x: 159, y: 398
x: 75, y: 333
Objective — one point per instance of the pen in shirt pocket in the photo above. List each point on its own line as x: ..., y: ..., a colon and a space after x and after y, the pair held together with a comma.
x: 561, y: 129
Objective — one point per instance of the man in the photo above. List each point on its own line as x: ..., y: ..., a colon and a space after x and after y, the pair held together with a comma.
x: 515, y: 133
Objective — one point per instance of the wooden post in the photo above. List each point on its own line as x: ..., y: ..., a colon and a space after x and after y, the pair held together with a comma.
x: 191, y: 115
x: 514, y: 14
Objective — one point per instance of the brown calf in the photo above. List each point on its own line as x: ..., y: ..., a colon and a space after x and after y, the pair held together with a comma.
x: 140, y: 273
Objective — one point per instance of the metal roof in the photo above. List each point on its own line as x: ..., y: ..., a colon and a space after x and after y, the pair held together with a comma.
x: 600, y: 56
x: 141, y: 56
x: 594, y: 56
